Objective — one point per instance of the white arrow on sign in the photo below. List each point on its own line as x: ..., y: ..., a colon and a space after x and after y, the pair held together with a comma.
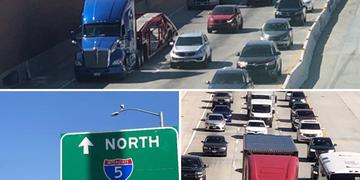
x: 85, y: 143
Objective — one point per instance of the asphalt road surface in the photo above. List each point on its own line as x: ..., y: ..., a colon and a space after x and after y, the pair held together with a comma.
x: 336, y: 59
x: 339, y: 114
x: 157, y: 74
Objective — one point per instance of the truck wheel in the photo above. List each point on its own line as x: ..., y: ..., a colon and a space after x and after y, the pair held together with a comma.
x: 209, y: 30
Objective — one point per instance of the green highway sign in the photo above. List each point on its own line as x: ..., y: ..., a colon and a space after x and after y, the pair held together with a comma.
x: 130, y: 154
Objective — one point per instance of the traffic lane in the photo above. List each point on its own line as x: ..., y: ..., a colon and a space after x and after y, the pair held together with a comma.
x: 339, y: 114
x: 193, y: 108
x: 220, y: 167
x: 335, y: 60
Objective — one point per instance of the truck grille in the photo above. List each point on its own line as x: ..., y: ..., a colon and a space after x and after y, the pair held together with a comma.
x: 96, y: 59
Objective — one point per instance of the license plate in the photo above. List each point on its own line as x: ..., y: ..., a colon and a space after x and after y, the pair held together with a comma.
x: 97, y: 74
x: 213, y: 151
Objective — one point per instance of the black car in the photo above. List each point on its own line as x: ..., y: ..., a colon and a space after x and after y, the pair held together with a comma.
x: 301, y: 114
x: 319, y: 145
x: 297, y: 96
x: 215, y: 145
x: 293, y: 10
x: 279, y: 31
x: 192, y: 167
x: 296, y: 106
x: 261, y: 57
x: 231, y: 78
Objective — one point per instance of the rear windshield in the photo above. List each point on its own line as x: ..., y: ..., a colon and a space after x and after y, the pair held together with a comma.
x: 261, y: 108
x: 256, y: 124
x: 228, y: 78
x: 276, y: 27
x: 190, y: 162
x: 221, y: 108
x: 189, y: 41
x: 215, y: 139
x: 215, y: 118
x: 257, y: 51
x: 310, y: 126
x: 222, y: 10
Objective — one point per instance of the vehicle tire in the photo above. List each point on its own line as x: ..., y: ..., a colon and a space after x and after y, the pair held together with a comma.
x: 225, y: 154
x: 280, y: 70
x: 204, y: 64
x: 210, y: 58
x: 242, y: 24
x: 209, y: 30
x: 304, y: 22
x: 145, y: 53
x: 270, y: 125
x: 293, y: 127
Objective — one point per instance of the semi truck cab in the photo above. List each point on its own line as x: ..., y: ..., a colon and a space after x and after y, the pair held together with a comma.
x: 107, y: 39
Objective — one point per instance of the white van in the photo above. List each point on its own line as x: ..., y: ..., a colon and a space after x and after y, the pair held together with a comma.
x: 262, y: 109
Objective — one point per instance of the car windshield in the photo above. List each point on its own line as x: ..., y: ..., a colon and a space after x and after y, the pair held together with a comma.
x: 256, y: 51
x: 289, y: 4
x: 222, y: 94
x: 276, y: 27
x: 189, y: 41
x: 261, y: 108
x: 298, y: 94
x: 215, y: 139
x: 306, y: 113
x: 190, y: 162
x: 313, y: 126
x: 223, y: 10
x: 228, y: 78
x: 301, y: 106
x: 221, y: 108
x: 322, y: 142
x: 256, y: 124
x: 349, y: 176
x: 215, y: 118
x: 95, y: 30
x: 260, y: 97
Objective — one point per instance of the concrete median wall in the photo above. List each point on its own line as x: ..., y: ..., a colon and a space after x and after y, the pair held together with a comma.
x: 300, y: 73
x: 31, y: 27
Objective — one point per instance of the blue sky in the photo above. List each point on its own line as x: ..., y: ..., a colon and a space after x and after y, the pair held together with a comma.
x: 32, y: 122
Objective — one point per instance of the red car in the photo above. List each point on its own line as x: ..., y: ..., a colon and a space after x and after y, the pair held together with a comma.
x: 225, y: 17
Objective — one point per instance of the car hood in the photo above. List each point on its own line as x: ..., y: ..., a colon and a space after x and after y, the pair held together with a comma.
x: 98, y: 43
x: 262, y: 129
x: 222, y: 17
x: 310, y: 131
x: 227, y: 86
x: 187, y: 48
x: 257, y: 59
x: 322, y: 147
x: 216, y: 122
x: 262, y: 115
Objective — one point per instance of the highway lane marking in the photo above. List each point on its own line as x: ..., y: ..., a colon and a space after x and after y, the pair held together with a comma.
x: 237, y: 141
x: 67, y: 83
x: 234, y: 165
x: 197, y: 126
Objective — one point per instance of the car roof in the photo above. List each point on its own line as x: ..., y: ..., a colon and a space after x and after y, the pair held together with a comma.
x: 227, y: 5
x: 190, y: 156
x: 254, y: 120
x: 191, y: 34
x: 258, y: 42
x: 276, y: 20
x: 312, y: 121
x: 341, y: 162
x: 215, y: 136
x: 261, y: 101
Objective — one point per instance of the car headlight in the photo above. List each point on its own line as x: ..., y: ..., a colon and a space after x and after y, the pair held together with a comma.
x: 205, y: 147
x: 242, y: 64
x: 117, y: 62
x: 312, y: 150
x: 223, y: 148
x: 265, y: 36
x: 200, y: 52
x: 230, y: 20
x: 303, y: 100
x: 331, y: 150
x: 199, y: 174
x: 278, y: 13
x: 271, y: 63
x: 211, y: 19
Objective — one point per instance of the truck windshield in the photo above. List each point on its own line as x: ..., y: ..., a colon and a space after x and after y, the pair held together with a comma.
x: 261, y: 108
x: 345, y: 176
x: 95, y: 30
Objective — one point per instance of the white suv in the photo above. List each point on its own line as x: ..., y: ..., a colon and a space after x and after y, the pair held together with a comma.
x: 309, y: 129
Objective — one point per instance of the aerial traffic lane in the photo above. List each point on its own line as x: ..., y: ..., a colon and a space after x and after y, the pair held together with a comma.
x: 157, y: 74
x: 338, y: 113
x: 335, y: 62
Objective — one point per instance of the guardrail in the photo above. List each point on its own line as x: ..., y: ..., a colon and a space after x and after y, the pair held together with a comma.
x: 300, y: 72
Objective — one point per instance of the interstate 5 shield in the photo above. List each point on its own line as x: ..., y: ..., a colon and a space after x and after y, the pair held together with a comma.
x: 124, y: 155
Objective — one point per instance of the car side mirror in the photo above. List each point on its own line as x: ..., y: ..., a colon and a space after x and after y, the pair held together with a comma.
x: 335, y: 145
x: 238, y: 54
x: 207, y: 82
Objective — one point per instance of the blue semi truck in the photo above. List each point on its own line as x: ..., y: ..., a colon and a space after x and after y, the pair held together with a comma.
x: 110, y: 42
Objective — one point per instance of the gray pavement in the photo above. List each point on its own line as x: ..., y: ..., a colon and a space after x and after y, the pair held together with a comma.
x: 339, y: 114
x: 335, y: 64
x: 157, y: 74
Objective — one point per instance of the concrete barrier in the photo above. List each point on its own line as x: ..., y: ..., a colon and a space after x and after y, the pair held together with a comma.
x: 300, y: 72
x: 22, y: 48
